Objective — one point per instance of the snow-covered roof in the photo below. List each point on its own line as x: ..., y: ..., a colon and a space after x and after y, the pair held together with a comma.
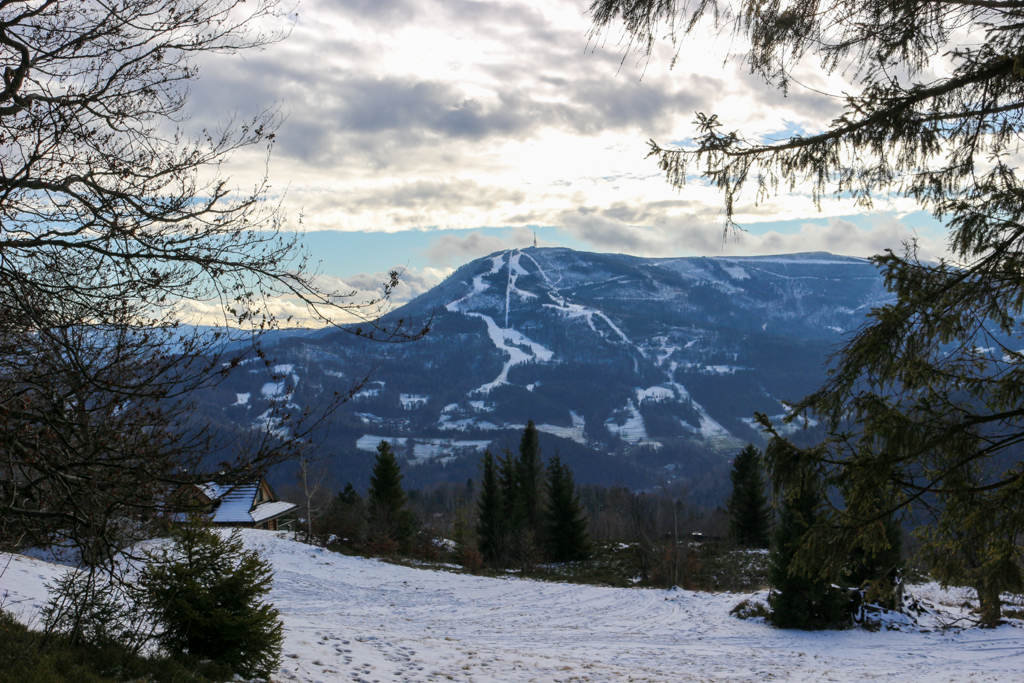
x: 238, y: 504
x: 213, y: 491
x: 265, y: 511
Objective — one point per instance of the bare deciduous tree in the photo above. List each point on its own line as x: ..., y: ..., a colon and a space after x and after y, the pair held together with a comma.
x: 113, y: 225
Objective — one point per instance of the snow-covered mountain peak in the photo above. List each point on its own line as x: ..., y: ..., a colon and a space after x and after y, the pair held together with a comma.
x: 635, y: 366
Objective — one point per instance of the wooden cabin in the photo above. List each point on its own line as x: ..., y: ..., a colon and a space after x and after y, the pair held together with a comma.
x: 250, y: 505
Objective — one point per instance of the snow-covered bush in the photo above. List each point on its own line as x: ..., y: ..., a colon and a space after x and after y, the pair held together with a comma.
x: 750, y: 609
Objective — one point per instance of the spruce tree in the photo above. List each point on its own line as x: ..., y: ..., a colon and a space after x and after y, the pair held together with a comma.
x: 801, y: 599
x: 565, y: 524
x: 490, y: 530
x: 390, y: 520
x: 530, y: 480
x: 205, y: 592
x: 749, y: 514
x: 508, y: 468
x: 346, y: 518
x: 926, y: 395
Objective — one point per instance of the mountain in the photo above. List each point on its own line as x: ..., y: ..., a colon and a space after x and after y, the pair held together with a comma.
x: 638, y: 370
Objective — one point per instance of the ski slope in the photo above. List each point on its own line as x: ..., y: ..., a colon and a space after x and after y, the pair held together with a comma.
x: 353, y: 619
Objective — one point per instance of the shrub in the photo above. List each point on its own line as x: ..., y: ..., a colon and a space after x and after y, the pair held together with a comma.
x: 205, y: 592
x: 93, y: 608
x: 750, y: 610
x: 36, y: 657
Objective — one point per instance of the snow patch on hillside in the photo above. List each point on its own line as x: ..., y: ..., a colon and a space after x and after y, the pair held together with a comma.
x: 781, y: 427
x: 412, y: 401
x: 369, y: 442
x: 736, y: 272
x: 579, y: 425
x: 242, y: 399
x: 479, y: 286
x: 656, y: 394
x: 275, y: 390
x: 634, y: 430
x: 371, y: 390
x: 497, y: 262
x: 711, y: 369
x: 272, y: 425
x: 715, y: 435
x: 516, y: 354
x: 442, y: 450
x: 446, y: 423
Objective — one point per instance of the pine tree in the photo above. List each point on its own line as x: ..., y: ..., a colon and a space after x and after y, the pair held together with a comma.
x: 205, y: 593
x: 802, y: 600
x: 749, y: 514
x: 530, y: 481
x: 490, y: 530
x: 565, y: 524
x: 390, y: 520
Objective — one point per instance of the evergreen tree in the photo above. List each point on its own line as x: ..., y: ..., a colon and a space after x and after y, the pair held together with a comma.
x: 800, y: 599
x: 346, y: 518
x: 749, y: 514
x: 530, y: 481
x: 205, y: 593
x: 565, y: 523
x: 876, y: 570
x: 490, y: 530
x: 349, y: 495
x: 508, y: 468
x: 926, y: 396
x: 390, y: 520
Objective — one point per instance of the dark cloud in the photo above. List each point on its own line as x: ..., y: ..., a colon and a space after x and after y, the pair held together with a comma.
x: 374, y: 105
x: 450, y: 195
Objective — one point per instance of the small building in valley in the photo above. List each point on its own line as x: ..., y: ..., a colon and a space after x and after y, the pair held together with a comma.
x: 251, y: 505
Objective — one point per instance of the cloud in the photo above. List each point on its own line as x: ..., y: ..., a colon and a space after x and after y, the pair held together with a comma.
x: 480, y: 115
x: 412, y: 282
x: 389, y: 12
x: 450, y: 250
x: 682, y: 235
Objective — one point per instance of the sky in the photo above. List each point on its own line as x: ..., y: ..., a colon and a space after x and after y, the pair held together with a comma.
x: 421, y: 134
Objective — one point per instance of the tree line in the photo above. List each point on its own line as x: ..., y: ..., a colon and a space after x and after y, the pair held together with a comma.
x: 523, y: 512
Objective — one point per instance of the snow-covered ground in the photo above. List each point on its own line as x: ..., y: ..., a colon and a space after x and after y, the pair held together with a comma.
x: 352, y: 619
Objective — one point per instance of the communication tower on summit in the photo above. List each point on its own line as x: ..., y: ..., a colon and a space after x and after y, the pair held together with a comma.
x: 534, y: 239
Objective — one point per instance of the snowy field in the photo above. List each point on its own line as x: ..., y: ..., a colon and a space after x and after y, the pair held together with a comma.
x: 352, y: 619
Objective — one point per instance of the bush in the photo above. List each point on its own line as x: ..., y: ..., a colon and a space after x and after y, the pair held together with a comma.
x: 750, y: 610
x: 93, y: 608
x: 35, y: 657
x: 205, y: 592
